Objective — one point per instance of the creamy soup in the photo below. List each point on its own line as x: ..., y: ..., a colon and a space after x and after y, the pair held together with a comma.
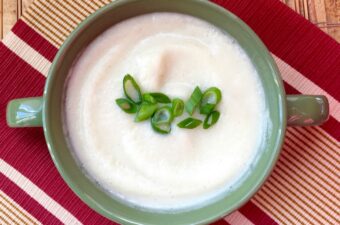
x: 169, y: 53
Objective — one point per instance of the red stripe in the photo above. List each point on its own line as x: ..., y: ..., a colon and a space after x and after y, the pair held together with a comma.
x: 27, y: 202
x: 332, y: 126
x: 292, y: 38
x: 290, y: 90
x: 35, y: 40
x: 256, y: 215
x: 26, y: 149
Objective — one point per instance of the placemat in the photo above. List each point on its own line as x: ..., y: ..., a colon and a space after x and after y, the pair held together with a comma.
x: 302, y: 189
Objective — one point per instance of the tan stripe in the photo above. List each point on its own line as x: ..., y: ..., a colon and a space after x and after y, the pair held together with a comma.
x: 319, y: 168
x: 15, y: 214
x: 288, y: 186
x: 49, y: 29
x: 105, y: 2
x: 301, y: 191
x: 300, y: 163
x: 94, y: 5
x: 322, y: 140
x: 22, y: 212
x: 327, y: 154
x: 99, y: 3
x: 5, y: 219
x: 311, y: 155
x: 316, y: 184
x: 276, y: 192
x: 74, y: 7
x: 273, y: 206
x: 68, y: 10
x: 287, y: 167
x: 11, y: 218
x: 326, y: 136
x: 2, y: 220
x: 69, y: 21
x: 89, y: 5
x: 282, y: 187
x: 102, y: 2
x: 72, y: 20
x: 285, y: 204
x: 317, y: 153
x: 54, y: 39
x: 108, y: 1
x: 68, y: 28
x: 48, y: 22
x: 79, y: 4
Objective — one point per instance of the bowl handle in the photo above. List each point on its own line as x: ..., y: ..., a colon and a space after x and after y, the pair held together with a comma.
x: 25, y: 112
x: 307, y: 110
x: 302, y: 110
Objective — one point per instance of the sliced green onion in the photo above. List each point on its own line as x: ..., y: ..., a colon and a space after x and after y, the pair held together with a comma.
x: 126, y: 105
x: 210, y: 99
x: 189, y: 123
x: 163, y: 115
x: 160, y: 97
x: 211, y: 119
x: 163, y: 128
x: 146, y: 110
x: 177, y: 107
x: 131, y: 89
x: 193, y: 101
x: 161, y: 120
x: 207, y: 108
x: 148, y: 98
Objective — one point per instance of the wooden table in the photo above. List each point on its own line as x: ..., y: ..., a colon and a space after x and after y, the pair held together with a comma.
x: 323, y: 13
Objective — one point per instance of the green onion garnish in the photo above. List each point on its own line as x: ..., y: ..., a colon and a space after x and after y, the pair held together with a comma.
x: 193, y: 101
x: 131, y: 89
x: 211, y: 119
x: 146, y: 110
x: 189, y: 123
x: 126, y: 105
x: 161, y: 120
x: 146, y: 106
x: 210, y: 99
x: 160, y: 97
x: 177, y: 107
x: 148, y: 98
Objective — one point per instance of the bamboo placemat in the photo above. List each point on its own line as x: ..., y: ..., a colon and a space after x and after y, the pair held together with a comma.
x: 304, y: 186
x: 323, y: 13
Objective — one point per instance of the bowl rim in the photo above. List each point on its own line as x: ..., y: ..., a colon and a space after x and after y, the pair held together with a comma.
x: 52, y: 74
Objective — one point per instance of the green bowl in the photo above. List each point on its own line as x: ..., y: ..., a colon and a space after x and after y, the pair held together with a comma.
x: 94, y: 196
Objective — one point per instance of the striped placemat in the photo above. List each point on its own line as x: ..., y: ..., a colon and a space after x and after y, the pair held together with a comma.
x: 304, y: 186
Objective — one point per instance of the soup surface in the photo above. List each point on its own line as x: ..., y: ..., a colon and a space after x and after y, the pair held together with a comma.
x: 169, y: 53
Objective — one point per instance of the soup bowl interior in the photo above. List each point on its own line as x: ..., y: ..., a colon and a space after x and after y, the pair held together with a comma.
x: 113, y: 208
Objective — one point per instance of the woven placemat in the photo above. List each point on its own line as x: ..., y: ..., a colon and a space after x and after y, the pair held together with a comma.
x: 304, y: 186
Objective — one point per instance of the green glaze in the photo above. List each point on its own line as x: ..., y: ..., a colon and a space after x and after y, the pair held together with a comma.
x: 116, y: 209
x: 25, y: 112
x: 307, y: 110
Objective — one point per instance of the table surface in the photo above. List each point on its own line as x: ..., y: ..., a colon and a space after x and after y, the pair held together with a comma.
x: 323, y: 13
